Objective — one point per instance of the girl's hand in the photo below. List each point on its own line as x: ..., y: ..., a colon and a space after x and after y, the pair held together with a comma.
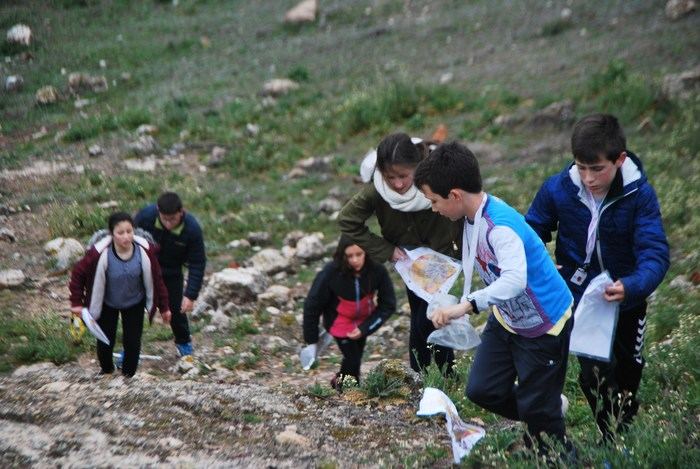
x: 615, y: 292
x: 166, y: 315
x: 76, y: 310
x: 355, y: 334
x: 398, y: 255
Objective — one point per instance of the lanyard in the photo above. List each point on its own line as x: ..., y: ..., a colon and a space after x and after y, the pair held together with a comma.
x: 468, y: 257
x: 591, y: 239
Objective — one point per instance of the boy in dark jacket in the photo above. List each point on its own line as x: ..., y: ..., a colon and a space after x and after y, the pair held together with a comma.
x: 607, y: 217
x: 181, y: 243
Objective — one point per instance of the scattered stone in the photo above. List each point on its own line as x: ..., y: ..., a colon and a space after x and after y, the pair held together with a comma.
x: 95, y: 150
x: 110, y: 204
x: 185, y: 364
x: 446, y: 78
x: 19, y: 34
x: 7, y: 234
x: 293, y: 237
x: 219, y: 319
x: 259, y: 238
x: 559, y: 114
x: 46, y: 95
x: 14, y: 83
x: 272, y: 311
x: 11, y: 278
x: 64, y: 251
x: 565, y: 14
x: 146, y: 129
x: 279, y: 86
x: 288, y: 251
x: 171, y: 442
x: 57, y: 387
x: 310, y: 247
x: 683, y: 85
x: 41, y: 133
x: 676, y: 9
x: 216, y: 157
x: 103, y: 63
x: 238, y: 243
x: 144, y: 145
x: 242, y: 285
x: 252, y: 129
x: 85, y: 82
x: 276, y: 295
x: 270, y: 261
x: 41, y: 367
x: 291, y: 437
x: 304, y: 12
x: 488, y: 151
x: 681, y: 282
x: 81, y: 103
x: 147, y: 165
x: 329, y: 205
x: 646, y: 125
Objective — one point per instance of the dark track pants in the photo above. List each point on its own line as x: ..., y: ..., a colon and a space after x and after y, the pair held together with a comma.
x: 538, y: 364
x: 601, y: 382
x: 178, y: 322
x: 421, y: 327
x: 352, y: 356
x: 132, y: 329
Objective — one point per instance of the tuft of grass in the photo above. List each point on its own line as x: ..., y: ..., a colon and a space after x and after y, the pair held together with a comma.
x: 90, y: 128
x: 556, y: 27
x: 378, y: 384
x: 242, y: 327
x: 74, y: 220
x: 320, y: 391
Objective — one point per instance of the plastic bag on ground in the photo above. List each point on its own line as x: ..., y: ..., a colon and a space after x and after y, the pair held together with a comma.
x: 459, y: 334
x: 595, y: 320
x: 463, y: 435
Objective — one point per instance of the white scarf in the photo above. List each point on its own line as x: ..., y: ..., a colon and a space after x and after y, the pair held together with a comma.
x: 412, y: 201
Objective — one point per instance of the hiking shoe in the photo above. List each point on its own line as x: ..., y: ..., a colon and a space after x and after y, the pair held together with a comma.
x: 564, y: 405
x: 184, y: 349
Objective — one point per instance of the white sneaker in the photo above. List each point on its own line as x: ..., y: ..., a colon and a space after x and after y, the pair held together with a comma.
x: 564, y: 405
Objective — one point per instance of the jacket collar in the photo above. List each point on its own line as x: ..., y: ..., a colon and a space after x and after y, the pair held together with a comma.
x: 628, y: 178
x: 105, y: 242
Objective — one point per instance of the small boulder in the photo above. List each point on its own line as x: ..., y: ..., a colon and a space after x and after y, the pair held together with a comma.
x: 293, y: 237
x: 682, y: 86
x: 240, y: 285
x: 95, y: 150
x: 46, y: 95
x: 310, y: 247
x: 677, y: 9
x: 259, y: 238
x: 8, y: 235
x: 303, y: 12
x: 19, y: 34
x: 290, y: 437
x: 14, y: 83
x: 85, y: 82
x: 270, y: 261
x: 329, y: 205
x: 11, y: 278
x: 276, y: 295
x: 279, y: 86
x: 146, y: 129
x: 144, y: 145
x: 65, y: 251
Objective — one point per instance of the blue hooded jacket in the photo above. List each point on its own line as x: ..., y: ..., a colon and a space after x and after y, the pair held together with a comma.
x: 633, y: 245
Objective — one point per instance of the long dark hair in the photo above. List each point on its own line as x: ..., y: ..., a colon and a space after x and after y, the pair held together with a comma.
x: 341, y: 263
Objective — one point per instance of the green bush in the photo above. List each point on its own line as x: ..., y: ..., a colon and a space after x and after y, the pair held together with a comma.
x: 75, y: 221
x: 90, y: 128
x: 378, y: 384
x: 320, y: 391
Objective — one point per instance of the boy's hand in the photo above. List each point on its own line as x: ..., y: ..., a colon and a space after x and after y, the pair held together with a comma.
x: 355, y: 334
x: 76, y: 310
x: 186, y: 305
x: 442, y: 316
x: 398, y: 255
x: 615, y: 292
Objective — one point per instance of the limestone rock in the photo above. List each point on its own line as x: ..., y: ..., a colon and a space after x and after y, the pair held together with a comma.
x: 65, y: 251
x: 46, y: 95
x: 146, y: 129
x: 14, y: 83
x: 8, y: 235
x: 304, y: 12
x: 682, y: 85
x: 276, y: 295
x: 291, y: 437
x: 11, y: 278
x: 19, y: 34
x: 85, y: 82
x: 270, y: 261
x: 95, y: 150
x: 329, y: 205
x: 144, y: 145
x: 310, y: 247
x: 259, y: 238
x: 293, y: 237
x: 676, y: 9
x: 238, y: 285
x: 279, y: 86
x: 147, y: 165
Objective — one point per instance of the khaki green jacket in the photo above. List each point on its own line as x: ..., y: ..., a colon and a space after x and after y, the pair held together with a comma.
x: 402, y: 229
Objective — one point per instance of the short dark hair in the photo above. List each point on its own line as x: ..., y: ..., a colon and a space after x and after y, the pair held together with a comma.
x: 399, y: 149
x: 450, y: 166
x: 118, y: 217
x: 169, y: 203
x: 597, y: 135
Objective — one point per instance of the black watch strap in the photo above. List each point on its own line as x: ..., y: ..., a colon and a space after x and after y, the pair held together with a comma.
x: 473, y: 303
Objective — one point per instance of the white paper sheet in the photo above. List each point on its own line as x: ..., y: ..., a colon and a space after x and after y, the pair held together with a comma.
x: 93, y: 327
x: 310, y: 353
x: 462, y: 435
x: 427, y: 272
x: 595, y: 320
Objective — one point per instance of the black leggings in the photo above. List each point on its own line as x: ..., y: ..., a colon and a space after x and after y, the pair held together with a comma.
x: 352, y: 356
x: 421, y: 327
x: 602, y: 382
x: 132, y: 328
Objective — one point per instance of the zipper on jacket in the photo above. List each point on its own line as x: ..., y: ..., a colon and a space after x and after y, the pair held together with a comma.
x: 597, y: 228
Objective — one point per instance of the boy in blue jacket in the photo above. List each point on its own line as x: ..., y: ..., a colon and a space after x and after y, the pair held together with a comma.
x: 180, y: 239
x: 607, y: 217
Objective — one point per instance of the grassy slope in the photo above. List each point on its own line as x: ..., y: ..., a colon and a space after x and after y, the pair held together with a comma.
x: 350, y: 61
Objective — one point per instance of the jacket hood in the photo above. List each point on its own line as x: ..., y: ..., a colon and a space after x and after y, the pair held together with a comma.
x: 631, y: 170
x: 100, y: 239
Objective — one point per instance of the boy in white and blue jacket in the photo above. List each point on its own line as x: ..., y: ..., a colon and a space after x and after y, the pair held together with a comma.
x: 520, y: 366
x: 607, y: 217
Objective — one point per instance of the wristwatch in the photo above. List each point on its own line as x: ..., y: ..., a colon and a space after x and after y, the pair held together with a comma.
x: 471, y: 300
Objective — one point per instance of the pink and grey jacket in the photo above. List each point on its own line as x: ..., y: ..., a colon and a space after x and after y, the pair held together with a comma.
x: 88, y: 279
